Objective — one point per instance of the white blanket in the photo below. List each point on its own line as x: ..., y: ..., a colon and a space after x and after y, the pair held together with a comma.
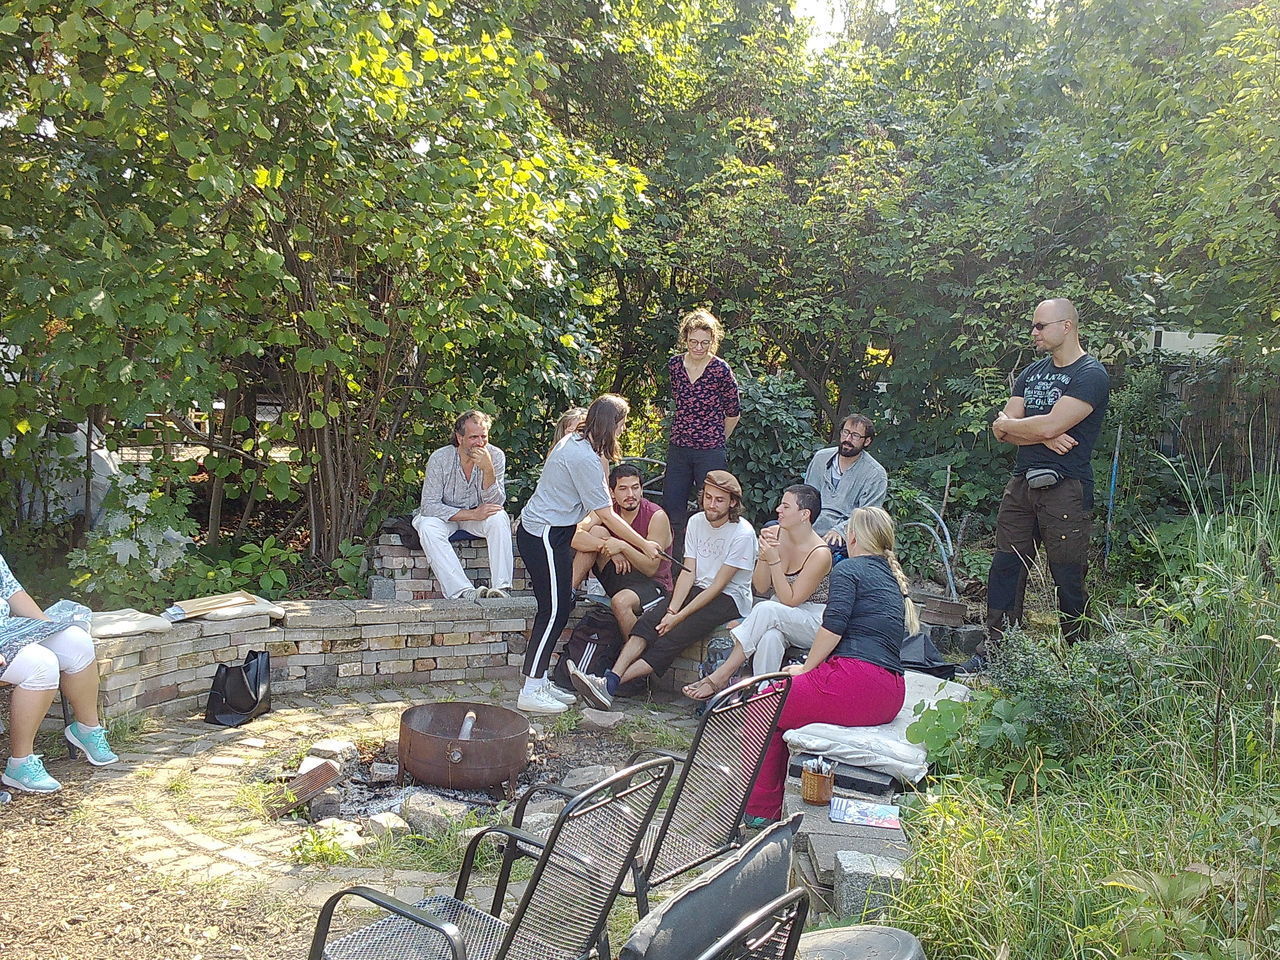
x: 126, y: 623
x: 884, y: 748
x: 255, y: 609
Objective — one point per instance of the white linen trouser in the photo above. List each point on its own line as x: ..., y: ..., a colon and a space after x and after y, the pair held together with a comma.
x: 37, y: 665
x: 771, y: 627
x: 434, y: 534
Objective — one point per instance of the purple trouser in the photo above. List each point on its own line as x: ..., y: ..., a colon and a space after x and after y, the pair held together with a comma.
x: 843, y: 691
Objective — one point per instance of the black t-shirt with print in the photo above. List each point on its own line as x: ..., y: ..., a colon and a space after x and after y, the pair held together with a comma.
x: 1041, y: 385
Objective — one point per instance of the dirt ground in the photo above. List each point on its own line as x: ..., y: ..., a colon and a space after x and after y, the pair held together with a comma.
x: 68, y: 894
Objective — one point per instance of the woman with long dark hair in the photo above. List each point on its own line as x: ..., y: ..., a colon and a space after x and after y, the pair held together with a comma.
x: 572, y: 486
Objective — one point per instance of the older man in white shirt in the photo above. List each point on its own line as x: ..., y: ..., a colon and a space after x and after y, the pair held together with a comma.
x: 465, y: 489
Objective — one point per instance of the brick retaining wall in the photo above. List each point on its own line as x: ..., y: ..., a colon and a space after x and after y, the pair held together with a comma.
x: 402, y: 573
x: 328, y: 644
x: 412, y: 637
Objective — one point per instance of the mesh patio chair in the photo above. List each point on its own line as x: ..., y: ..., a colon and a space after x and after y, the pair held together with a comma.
x: 581, y: 866
x: 771, y: 933
x: 703, y: 815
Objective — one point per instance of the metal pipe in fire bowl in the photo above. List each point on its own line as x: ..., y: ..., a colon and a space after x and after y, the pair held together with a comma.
x: 463, y: 746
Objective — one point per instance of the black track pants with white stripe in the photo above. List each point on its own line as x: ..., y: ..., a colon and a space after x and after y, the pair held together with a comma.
x: 549, y: 562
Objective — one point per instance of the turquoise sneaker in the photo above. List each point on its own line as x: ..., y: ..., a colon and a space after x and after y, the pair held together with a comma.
x: 29, y: 775
x: 93, y: 741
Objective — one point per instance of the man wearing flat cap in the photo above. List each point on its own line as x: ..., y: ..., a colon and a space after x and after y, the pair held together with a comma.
x: 713, y: 588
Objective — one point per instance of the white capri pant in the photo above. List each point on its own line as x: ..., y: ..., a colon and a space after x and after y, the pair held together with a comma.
x: 37, y: 666
x: 772, y: 626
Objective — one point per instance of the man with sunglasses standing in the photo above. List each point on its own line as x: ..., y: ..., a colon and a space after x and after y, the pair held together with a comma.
x: 847, y: 477
x: 1053, y: 417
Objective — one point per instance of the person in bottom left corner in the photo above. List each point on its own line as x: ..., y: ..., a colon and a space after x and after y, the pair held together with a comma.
x: 38, y: 656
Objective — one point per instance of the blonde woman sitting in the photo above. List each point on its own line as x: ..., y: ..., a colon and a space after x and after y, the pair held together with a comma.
x: 853, y: 674
x: 794, y: 565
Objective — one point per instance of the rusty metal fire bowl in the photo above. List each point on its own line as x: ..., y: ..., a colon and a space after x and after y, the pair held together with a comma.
x: 463, y: 746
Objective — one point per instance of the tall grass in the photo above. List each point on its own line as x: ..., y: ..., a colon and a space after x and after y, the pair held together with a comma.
x: 1218, y: 585
x: 1159, y: 833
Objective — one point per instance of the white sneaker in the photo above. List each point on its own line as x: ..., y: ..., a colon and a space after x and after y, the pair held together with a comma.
x: 471, y: 593
x: 495, y: 592
x: 540, y: 701
x: 567, y: 697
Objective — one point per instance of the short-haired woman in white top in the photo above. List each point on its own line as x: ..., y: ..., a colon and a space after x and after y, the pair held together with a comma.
x: 572, y: 486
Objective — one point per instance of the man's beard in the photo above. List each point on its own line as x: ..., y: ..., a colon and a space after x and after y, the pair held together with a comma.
x: 714, y: 514
x: 849, y: 450
x: 629, y: 506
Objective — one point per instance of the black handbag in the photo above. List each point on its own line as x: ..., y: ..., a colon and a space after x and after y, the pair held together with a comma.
x: 240, y: 693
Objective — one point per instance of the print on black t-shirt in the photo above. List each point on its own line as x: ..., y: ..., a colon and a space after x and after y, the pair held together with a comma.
x: 1041, y: 385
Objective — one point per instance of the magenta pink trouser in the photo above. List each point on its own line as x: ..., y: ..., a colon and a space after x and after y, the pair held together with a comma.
x: 843, y: 691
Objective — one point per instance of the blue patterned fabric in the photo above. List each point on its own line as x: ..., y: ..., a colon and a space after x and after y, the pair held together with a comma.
x: 17, y: 632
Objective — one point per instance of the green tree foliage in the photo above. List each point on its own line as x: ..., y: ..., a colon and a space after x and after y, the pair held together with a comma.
x: 361, y: 211
x: 377, y: 216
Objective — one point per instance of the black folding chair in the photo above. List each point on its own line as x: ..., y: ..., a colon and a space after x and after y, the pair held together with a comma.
x: 581, y: 866
x: 771, y: 933
x: 703, y: 816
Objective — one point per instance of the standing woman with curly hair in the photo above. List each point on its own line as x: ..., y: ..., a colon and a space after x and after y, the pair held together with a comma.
x: 705, y: 409
x: 853, y: 674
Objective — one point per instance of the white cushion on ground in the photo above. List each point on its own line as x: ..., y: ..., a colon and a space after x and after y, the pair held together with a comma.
x: 126, y: 623
x: 255, y: 609
x: 884, y: 748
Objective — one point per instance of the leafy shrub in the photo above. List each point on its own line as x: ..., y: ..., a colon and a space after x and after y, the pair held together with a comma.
x: 140, y: 553
x: 352, y: 570
x: 990, y: 738
x: 772, y: 445
x: 259, y: 567
x: 139, y: 548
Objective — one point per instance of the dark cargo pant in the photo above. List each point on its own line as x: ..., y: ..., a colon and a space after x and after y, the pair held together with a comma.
x: 1061, y: 518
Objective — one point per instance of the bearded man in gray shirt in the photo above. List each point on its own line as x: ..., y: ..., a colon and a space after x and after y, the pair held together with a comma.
x: 465, y: 489
x: 847, y: 477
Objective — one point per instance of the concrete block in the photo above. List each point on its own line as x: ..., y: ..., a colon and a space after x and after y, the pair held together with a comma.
x: 382, y: 588
x: 387, y: 637
x: 323, y: 675
x: 317, y: 613
x: 382, y: 611
x: 865, y: 884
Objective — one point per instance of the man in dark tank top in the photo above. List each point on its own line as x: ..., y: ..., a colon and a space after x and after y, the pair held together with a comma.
x: 631, y: 580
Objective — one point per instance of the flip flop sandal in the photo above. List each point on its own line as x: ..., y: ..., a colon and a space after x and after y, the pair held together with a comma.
x: 699, y: 684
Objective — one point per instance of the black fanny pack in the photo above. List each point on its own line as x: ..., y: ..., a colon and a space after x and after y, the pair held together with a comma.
x: 1042, y: 478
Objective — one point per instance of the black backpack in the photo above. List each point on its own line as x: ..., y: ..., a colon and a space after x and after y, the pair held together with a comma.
x: 593, y: 645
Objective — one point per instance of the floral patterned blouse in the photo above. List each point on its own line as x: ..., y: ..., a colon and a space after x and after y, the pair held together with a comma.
x: 701, y: 406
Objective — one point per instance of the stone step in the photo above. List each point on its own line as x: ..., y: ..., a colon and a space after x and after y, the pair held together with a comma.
x: 860, y: 942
